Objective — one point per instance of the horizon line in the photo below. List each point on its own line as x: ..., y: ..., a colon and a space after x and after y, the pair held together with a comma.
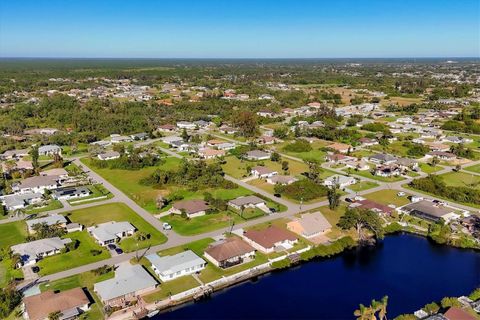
x: 241, y: 58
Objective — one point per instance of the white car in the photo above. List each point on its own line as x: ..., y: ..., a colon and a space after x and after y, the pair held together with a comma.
x: 401, y: 194
x: 167, y: 226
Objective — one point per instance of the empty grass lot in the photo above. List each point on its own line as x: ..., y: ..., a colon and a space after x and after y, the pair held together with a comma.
x: 12, y: 233
x: 427, y: 168
x: 202, y: 224
x: 475, y: 168
x: 118, y: 212
x: 387, y: 197
x: 74, y: 258
x: 362, y: 185
x: 461, y: 179
x: 238, y: 168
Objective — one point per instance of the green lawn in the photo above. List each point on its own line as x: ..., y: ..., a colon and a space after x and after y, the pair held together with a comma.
x: 475, y: 168
x: 74, y: 258
x: 363, y: 185
x: 427, y: 168
x: 52, y: 205
x: 461, y: 179
x: 128, y: 181
x: 118, y: 212
x: 386, y: 197
x: 8, y: 273
x: 12, y: 233
x: 172, y: 287
x: 83, y: 280
x: 97, y: 190
x: 202, y: 224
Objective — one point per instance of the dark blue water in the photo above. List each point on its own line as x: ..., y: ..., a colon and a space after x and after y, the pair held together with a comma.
x: 411, y: 270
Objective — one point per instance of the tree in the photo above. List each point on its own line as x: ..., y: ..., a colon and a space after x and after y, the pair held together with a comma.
x: 314, y: 170
x: 56, y: 315
x: 275, y: 157
x: 185, y: 135
x: 431, y: 308
x: 361, y: 220
x: 10, y: 298
x: 35, y: 156
x: 246, y: 122
x: 434, y: 162
x: 363, y: 313
x: 285, y: 166
x: 333, y: 197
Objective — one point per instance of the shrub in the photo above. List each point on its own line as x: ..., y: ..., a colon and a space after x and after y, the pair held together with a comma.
x: 300, y: 145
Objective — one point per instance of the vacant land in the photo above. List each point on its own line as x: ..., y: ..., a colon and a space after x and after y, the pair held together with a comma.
x: 206, y: 223
x: 238, y: 168
x: 118, y: 212
x: 362, y: 185
x: 78, y: 257
x: 387, y: 197
x: 427, y: 168
x: 475, y: 168
x: 12, y: 233
x: 461, y: 179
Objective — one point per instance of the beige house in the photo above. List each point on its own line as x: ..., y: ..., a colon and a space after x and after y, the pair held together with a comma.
x: 310, y: 225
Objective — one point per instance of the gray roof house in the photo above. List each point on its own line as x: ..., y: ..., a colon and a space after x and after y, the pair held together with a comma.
x: 257, y: 155
x: 181, y: 264
x: 49, y: 220
x: 19, y: 201
x: 249, y: 202
x: 49, y: 150
x: 382, y: 158
x: 109, y: 155
x: 31, y: 252
x: 429, y: 210
x: 111, y: 232
x: 129, y: 282
x: 36, y: 184
x: 310, y: 225
x: 71, y: 193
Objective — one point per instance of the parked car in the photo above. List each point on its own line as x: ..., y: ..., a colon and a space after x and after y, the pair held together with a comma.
x: 35, y: 269
x: 167, y: 226
x: 401, y: 194
x: 118, y: 251
x: 111, y: 246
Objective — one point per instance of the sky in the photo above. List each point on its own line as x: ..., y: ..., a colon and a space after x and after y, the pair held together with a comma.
x: 239, y: 28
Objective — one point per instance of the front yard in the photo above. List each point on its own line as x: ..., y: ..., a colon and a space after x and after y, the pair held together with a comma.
x: 386, y: 197
x: 118, y: 212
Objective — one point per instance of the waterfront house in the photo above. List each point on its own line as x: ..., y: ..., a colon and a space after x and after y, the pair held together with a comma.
x: 282, y: 180
x: 181, y: 264
x: 33, y: 251
x: 111, y: 232
x: 51, y: 220
x: 368, y: 204
x: 130, y: 282
x: 270, y: 239
x: 108, y: 155
x: 192, y: 208
x: 430, y: 210
x: 70, y: 303
x: 262, y: 172
x: 69, y: 193
x: 249, y: 202
x: 256, y: 155
x: 456, y: 313
x: 310, y: 225
x: 230, y: 252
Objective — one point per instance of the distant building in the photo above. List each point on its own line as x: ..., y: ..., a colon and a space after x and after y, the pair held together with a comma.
x: 49, y: 150
x: 262, y: 172
x: 109, y: 155
x: 257, y: 155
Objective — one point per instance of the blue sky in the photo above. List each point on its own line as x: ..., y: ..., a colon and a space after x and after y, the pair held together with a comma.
x: 239, y: 29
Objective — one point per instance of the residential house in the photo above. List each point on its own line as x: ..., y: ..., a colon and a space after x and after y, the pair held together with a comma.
x: 262, y: 172
x: 17, y: 166
x: 266, y: 140
x: 446, y: 156
x: 192, y: 208
x: 14, y: 154
x: 109, y: 155
x: 49, y: 150
x: 50, y: 220
x: 270, y: 239
x: 382, y: 158
x: 438, y: 147
x: 282, y: 180
x: 367, y: 142
x: 429, y: 210
x: 61, y: 173
x: 167, y: 128
x: 341, y: 147
x: 36, y: 184
x: 20, y: 201
x: 181, y: 264
x: 266, y: 114
x: 226, y: 146
x: 70, y: 303
x: 33, y: 251
x: 186, y: 125
x: 386, y: 171
x: 256, y: 155
x: 368, y: 204
x: 170, y: 139
x: 228, y: 130
x: 456, y: 313
x: 139, y: 136
x: 111, y: 232
x: 230, y: 252
x: 339, y: 180
x: 69, y: 193
x: 457, y: 140
x: 249, y: 202
x: 338, y: 158
x: 214, y: 142
x: 310, y: 225
x: 359, y: 165
x: 208, y: 153
x: 116, y: 138
x: 407, y: 164
x: 129, y: 283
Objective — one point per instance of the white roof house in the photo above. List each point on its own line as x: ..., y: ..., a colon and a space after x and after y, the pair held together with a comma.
x: 20, y: 201
x: 109, y: 155
x: 49, y: 150
x: 31, y: 252
x: 129, y: 282
x: 49, y: 220
x: 181, y: 264
x: 341, y: 181
x: 111, y: 232
x: 36, y: 184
